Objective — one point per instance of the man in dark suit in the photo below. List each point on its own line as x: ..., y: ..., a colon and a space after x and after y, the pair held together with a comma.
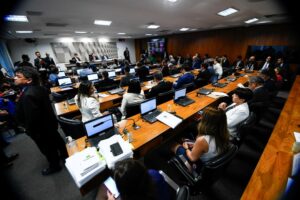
x: 127, y: 55
x: 267, y: 64
x: 35, y: 113
x: 126, y: 79
x: 48, y: 61
x: 186, y: 78
x: 162, y: 85
x: 142, y: 71
x: 260, y: 93
x: 38, y: 61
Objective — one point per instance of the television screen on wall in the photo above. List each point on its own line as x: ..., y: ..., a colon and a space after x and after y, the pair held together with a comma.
x: 289, y: 53
x: 157, y: 46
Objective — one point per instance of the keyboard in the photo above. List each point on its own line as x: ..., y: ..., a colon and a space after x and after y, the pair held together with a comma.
x: 116, y: 91
x: 184, y: 101
x: 151, y: 117
x: 220, y: 85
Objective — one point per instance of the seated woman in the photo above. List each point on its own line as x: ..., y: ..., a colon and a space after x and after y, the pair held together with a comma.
x: 134, y: 95
x: 87, y: 101
x: 238, y: 111
x: 135, y: 182
x: 212, y: 138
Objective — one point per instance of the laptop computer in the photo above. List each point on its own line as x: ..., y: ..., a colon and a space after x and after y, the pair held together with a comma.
x: 180, y: 97
x: 204, y: 91
x: 61, y: 74
x: 93, y: 77
x: 118, y: 70
x: 112, y: 74
x: 116, y: 91
x: 220, y: 85
x: 99, y: 129
x: 65, y: 82
x: 132, y: 71
x: 149, y: 111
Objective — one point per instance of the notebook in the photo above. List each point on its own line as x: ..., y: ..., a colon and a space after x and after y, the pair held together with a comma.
x: 65, y: 82
x: 149, y: 111
x: 112, y: 74
x: 93, y: 77
x: 180, y: 97
x: 61, y: 74
x: 99, y: 129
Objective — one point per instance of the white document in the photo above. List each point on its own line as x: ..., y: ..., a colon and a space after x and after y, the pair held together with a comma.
x: 297, y: 136
x: 296, y: 164
x: 216, y: 95
x: 111, y: 186
x: 102, y: 95
x: 169, y: 119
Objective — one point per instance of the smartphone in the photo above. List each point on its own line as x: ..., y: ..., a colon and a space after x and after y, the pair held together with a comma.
x: 111, y: 186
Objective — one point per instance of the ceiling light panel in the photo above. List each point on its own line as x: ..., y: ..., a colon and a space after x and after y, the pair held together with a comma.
x: 24, y: 32
x: 102, y: 22
x: 153, y: 26
x: 251, y: 20
x: 184, y: 29
x: 228, y: 11
x: 16, y: 18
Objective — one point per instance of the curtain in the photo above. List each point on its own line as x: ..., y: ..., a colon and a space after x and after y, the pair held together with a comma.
x: 5, y: 59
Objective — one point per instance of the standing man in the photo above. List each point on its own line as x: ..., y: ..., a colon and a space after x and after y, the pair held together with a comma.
x: 38, y: 61
x: 48, y: 61
x: 35, y: 113
x: 127, y: 55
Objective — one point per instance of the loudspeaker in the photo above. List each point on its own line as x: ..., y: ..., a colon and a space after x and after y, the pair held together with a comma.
x: 30, y: 40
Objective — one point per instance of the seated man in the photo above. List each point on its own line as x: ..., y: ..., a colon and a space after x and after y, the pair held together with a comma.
x: 186, y: 78
x: 142, y: 71
x: 162, y: 85
x: 86, y: 70
x: 106, y: 81
x: 259, y: 92
x: 126, y: 79
x: 238, y: 111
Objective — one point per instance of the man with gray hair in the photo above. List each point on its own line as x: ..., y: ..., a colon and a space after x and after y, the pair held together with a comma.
x: 161, y: 85
x: 260, y: 93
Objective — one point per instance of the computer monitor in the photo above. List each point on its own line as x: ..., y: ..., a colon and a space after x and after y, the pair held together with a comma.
x: 92, y: 77
x: 148, y: 106
x: 61, y: 74
x: 111, y: 74
x: 132, y: 71
x: 99, y: 125
x: 78, y: 71
x: 64, y: 81
x: 179, y: 93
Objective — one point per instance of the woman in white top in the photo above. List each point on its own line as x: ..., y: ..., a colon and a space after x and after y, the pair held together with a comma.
x: 132, y: 96
x: 238, y: 111
x: 218, y: 68
x: 212, y: 138
x: 87, y: 101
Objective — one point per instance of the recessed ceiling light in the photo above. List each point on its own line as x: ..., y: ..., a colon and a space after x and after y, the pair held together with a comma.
x: 264, y: 22
x: 148, y: 34
x: 80, y: 32
x: 16, y: 18
x: 121, y: 33
x: 24, y: 31
x: 66, y: 39
x: 103, y: 40
x: 227, y: 12
x: 102, y: 22
x: 153, y: 26
x: 184, y: 29
x: 251, y: 20
x: 86, y: 40
x: 172, y: 1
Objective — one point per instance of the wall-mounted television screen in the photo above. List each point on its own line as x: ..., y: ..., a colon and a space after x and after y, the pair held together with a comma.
x: 157, y: 46
x: 289, y: 53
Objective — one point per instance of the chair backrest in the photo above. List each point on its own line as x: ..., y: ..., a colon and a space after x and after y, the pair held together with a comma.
x: 132, y: 109
x: 57, y: 97
x: 244, y: 128
x: 183, y: 193
x: 70, y: 127
x: 100, y: 88
x: 189, y: 87
x: 165, y: 96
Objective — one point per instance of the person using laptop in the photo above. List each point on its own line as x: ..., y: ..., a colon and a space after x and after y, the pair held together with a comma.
x: 212, y: 138
x: 86, y: 70
x: 218, y: 68
x: 126, y: 79
x: 238, y: 111
x: 87, y: 101
x: 106, y: 81
x: 142, y: 71
x: 161, y: 85
x: 186, y: 78
x: 53, y: 76
x: 133, y: 95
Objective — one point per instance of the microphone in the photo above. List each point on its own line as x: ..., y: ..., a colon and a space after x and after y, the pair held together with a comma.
x: 134, y: 125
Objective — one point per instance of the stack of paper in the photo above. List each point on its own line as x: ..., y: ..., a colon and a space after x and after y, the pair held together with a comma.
x: 84, y: 165
x: 105, y: 150
x: 217, y: 95
x: 169, y: 119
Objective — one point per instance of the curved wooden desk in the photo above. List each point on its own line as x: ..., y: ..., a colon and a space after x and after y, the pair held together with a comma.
x: 270, y: 176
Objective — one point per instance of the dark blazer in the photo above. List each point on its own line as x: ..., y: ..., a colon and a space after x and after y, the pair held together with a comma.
x: 106, y: 82
x: 49, y: 61
x: 142, y: 72
x: 184, y: 79
x: 165, y: 71
x: 39, y: 63
x: 125, y: 80
x: 239, y: 65
x: 162, y: 86
x: 259, y: 96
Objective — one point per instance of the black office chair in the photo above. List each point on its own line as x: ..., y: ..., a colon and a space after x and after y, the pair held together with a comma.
x: 183, y: 193
x: 71, y: 127
x: 148, y: 77
x: 101, y: 88
x: 189, y: 87
x: 200, y: 178
x: 165, y: 96
x: 132, y: 109
x: 244, y: 128
x: 200, y: 82
x: 58, y: 97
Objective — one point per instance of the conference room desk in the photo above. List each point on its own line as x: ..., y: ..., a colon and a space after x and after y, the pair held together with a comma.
x: 152, y: 135
x: 269, y: 178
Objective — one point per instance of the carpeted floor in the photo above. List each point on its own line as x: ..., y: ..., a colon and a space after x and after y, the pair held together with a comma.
x: 24, y: 180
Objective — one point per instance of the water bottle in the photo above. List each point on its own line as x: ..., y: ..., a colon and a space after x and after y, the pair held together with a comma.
x: 72, y: 145
x: 129, y: 137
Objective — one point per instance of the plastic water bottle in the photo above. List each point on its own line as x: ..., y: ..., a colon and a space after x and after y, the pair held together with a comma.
x: 72, y: 145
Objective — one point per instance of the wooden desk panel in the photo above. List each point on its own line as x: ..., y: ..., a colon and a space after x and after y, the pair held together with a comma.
x: 269, y: 178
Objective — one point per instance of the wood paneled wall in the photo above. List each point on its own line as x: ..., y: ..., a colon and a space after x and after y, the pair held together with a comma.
x: 232, y: 42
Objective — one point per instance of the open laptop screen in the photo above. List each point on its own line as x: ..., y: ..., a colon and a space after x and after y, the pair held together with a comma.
x: 111, y: 74
x: 78, y: 71
x: 148, y: 106
x: 64, y: 81
x: 92, y: 77
x: 179, y: 93
x: 61, y: 74
x: 98, y: 125
x: 132, y: 71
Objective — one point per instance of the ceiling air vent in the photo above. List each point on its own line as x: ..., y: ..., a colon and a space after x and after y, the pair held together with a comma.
x: 283, y: 15
x: 56, y: 24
